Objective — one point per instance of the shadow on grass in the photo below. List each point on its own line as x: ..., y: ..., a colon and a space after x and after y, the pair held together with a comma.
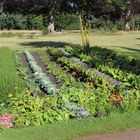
x: 41, y: 44
x: 131, y: 49
x: 110, y: 58
x: 103, y: 56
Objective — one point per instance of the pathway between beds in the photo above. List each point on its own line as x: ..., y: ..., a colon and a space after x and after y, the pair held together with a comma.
x: 128, y: 135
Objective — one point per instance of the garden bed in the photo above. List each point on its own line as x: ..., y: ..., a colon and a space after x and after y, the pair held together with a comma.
x: 74, y: 91
x: 43, y: 67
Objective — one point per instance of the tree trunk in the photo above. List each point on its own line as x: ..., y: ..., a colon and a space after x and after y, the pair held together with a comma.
x: 128, y: 15
x: 84, y: 32
x: 51, y: 24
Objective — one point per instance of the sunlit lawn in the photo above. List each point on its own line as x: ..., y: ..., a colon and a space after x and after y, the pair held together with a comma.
x: 69, y: 130
x: 127, y: 43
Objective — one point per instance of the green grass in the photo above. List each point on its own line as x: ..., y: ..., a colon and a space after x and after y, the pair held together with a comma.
x: 8, y: 75
x: 76, y: 128
x: 127, y: 43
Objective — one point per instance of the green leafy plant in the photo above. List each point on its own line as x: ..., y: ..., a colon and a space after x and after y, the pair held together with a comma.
x: 41, y: 78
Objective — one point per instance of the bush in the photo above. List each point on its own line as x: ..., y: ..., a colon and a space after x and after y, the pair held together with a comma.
x: 20, y: 22
x: 37, y: 22
x: 135, y: 22
x: 45, y: 31
x: 66, y: 22
x: 11, y: 21
x: 63, y: 21
x: 120, y: 25
x: 104, y: 23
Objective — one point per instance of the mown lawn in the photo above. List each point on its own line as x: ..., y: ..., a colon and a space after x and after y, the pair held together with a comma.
x: 76, y: 128
x: 127, y: 43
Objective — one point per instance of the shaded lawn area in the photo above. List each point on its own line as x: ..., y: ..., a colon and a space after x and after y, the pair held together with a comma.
x: 69, y: 130
x: 127, y: 43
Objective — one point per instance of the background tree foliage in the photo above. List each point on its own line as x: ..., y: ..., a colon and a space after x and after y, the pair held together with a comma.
x: 102, y: 12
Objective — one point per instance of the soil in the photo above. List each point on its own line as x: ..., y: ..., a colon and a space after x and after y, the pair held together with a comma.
x: 24, y: 63
x: 45, y: 69
x: 128, y: 135
x: 42, y: 65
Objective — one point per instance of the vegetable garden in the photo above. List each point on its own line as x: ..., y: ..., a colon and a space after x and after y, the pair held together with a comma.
x: 73, y: 85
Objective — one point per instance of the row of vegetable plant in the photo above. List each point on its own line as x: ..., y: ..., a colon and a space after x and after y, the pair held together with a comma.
x: 41, y: 78
x: 110, y: 79
x: 61, y: 73
x: 126, y: 100
x: 129, y: 79
x: 103, y: 56
x: 84, y: 73
x: 32, y: 86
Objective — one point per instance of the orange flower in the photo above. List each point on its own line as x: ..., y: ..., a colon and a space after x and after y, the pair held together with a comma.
x: 115, y: 99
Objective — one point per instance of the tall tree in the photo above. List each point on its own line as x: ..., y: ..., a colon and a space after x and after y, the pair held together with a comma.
x: 37, y: 7
x: 84, y: 9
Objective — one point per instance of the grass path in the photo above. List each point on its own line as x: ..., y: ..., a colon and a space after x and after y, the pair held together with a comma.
x: 73, y: 129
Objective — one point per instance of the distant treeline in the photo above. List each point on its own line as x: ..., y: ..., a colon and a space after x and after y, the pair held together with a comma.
x: 63, y: 21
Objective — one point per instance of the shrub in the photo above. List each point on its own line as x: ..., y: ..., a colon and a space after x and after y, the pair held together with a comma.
x: 11, y: 21
x: 45, y: 31
x: 66, y: 22
x: 37, y: 22
x: 20, y: 22
x: 135, y: 22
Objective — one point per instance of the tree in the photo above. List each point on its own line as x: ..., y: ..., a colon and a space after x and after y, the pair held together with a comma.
x: 84, y: 10
x: 127, y: 8
x: 36, y: 7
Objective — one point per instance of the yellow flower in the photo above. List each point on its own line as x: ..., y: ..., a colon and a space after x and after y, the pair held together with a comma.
x: 28, y: 91
x: 10, y: 95
x: 16, y: 87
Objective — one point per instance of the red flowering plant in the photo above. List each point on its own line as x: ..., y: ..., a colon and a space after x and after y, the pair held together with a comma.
x: 115, y: 99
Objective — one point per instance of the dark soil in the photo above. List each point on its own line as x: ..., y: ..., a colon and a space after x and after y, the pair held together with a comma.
x: 45, y: 69
x: 24, y: 63
x: 128, y: 135
x: 42, y: 65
